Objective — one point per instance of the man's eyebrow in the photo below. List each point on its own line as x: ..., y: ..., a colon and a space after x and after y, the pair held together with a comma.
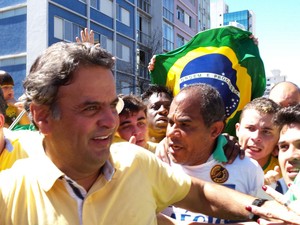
x: 184, y: 119
x: 281, y: 142
x: 142, y: 118
x: 124, y: 123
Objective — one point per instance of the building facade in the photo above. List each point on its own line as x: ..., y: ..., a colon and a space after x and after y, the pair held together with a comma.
x: 243, y: 19
x: 221, y: 16
x: 132, y: 30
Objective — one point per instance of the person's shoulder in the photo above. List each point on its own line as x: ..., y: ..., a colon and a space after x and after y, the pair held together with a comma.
x: 29, y: 141
x: 127, y: 153
x: 20, y: 169
x: 246, y: 163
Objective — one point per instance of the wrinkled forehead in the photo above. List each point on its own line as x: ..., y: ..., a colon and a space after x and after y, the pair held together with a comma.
x: 183, y: 104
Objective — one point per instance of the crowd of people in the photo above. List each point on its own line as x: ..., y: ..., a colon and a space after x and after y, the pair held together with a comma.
x: 96, y: 157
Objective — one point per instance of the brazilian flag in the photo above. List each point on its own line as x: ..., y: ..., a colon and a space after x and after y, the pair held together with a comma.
x: 226, y: 58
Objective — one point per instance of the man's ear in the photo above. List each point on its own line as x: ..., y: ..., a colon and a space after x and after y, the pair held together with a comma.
x: 2, y: 120
x: 216, y: 129
x: 237, y: 129
x: 275, y: 151
x: 41, y: 115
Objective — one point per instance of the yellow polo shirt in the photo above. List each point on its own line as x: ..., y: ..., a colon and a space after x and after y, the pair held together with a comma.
x: 133, y: 186
x: 12, y: 151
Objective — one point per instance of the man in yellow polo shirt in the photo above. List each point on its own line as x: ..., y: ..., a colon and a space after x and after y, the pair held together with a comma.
x: 10, y: 147
x: 79, y: 177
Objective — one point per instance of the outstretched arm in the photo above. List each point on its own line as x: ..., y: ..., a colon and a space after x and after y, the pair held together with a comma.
x: 219, y: 201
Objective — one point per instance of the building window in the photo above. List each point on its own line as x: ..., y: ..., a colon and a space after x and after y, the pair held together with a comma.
x: 123, y: 52
x: 168, y: 37
x: 58, y: 28
x: 66, y: 30
x: 123, y: 15
x: 180, y: 14
x: 125, y: 87
x: 180, y: 41
x: 106, y: 7
x: 94, y: 4
x: 143, y: 29
x: 144, y: 5
x: 104, y: 41
x: 168, y: 10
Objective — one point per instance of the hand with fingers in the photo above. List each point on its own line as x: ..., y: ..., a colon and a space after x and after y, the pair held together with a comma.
x: 86, y: 36
x: 151, y: 63
x: 272, y: 175
x: 288, y: 212
x: 232, y: 149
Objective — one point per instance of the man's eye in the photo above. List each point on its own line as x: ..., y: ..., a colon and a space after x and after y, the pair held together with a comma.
x: 252, y: 129
x: 267, y: 132
x: 91, y: 108
x: 142, y: 124
x: 283, y: 147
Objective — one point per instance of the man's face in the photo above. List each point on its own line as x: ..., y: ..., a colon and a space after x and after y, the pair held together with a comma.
x: 190, y: 141
x: 134, y: 125
x: 257, y: 135
x: 157, y: 111
x: 82, y: 136
x: 8, y: 92
x: 289, y: 152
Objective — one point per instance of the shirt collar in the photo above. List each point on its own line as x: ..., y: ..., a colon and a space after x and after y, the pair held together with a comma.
x: 49, y: 173
x: 218, y: 154
x: 8, y: 145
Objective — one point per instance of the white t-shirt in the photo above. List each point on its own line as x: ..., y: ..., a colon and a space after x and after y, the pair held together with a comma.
x: 242, y: 175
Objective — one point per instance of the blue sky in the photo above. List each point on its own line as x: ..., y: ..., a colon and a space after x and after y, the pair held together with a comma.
x: 278, y: 33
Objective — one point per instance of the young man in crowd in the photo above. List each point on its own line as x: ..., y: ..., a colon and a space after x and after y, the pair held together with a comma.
x: 257, y: 134
x: 158, y: 100
x: 133, y: 122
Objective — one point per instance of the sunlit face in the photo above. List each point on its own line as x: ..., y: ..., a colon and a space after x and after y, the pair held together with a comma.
x: 190, y: 141
x: 8, y: 92
x: 257, y: 135
x: 157, y: 111
x: 289, y: 152
x: 80, y: 139
x: 134, y: 125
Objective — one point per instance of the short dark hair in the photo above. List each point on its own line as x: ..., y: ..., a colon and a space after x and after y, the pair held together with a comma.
x: 262, y: 105
x: 154, y: 88
x: 287, y: 115
x: 56, y: 67
x: 210, y: 103
x: 132, y: 104
x: 3, y: 105
x: 6, y: 78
